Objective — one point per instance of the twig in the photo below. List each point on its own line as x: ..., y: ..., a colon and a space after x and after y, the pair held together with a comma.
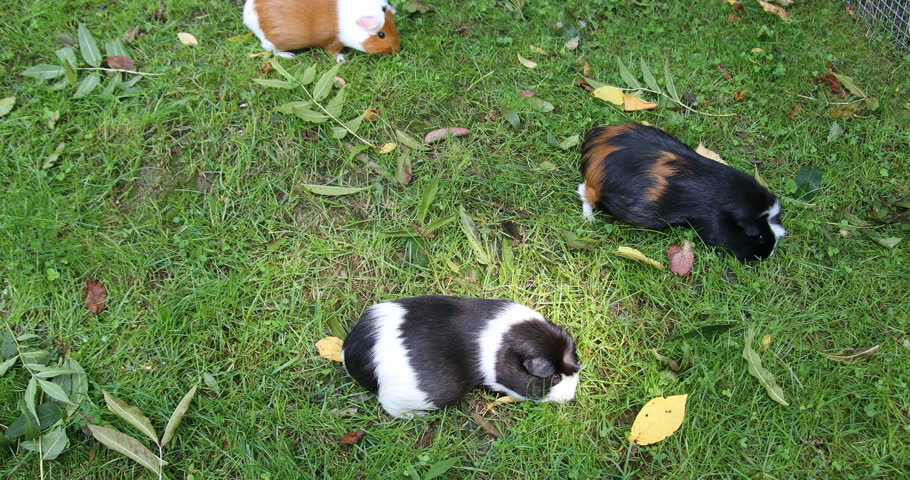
x: 333, y: 117
x: 893, y: 337
x: 681, y: 104
x: 121, y: 70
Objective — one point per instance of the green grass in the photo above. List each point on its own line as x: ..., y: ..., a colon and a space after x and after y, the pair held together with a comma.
x: 187, y: 203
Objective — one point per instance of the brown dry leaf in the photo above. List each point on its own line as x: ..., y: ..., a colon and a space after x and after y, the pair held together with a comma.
x: 736, y: 5
x: 130, y: 34
x: 266, y: 67
x: 739, y: 96
x: 795, y: 111
x: 853, y: 355
x: 187, y: 39
x: 95, y: 295
x: 123, y: 63
x: 850, y: 10
x: 705, y: 152
x: 681, y: 258
x: 834, y: 85
x: 723, y: 70
x: 347, y: 412
x: 586, y: 68
x: 492, y: 115
x: 845, y: 110
x: 584, y: 85
x: 572, y: 44
x: 329, y: 348
x: 486, y: 425
x: 634, y: 104
x: 351, y: 438
x: 371, y: 114
x: 426, y: 440
x: 441, y: 133
x: 775, y: 10
x: 733, y: 18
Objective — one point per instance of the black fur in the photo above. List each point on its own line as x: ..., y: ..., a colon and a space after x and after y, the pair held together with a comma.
x: 725, y: 206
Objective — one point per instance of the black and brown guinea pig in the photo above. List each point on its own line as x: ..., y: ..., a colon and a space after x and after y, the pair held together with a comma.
x: 649, y: 179
x: 424, y: 353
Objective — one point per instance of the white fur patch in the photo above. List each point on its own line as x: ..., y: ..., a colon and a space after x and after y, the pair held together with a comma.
x: 251, y: 20
x: 349, y: 11
x: 564, y: 390
x: 776, y: 228
x: 399, y: 393
x: 587, y: 210
x: 490, y: 341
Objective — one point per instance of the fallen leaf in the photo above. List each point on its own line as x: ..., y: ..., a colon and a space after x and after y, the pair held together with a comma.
x: 539, y: 105
x: 332, y: 191
x: 574, y: 241
x: 733, y: 18
x: 329, y: 348
x: 347, y: 412
x: 130, y: 34
x: 609, y: 93
x: 633, y: 254
x: 492, y: 115
x: 850, y: 85
x: 95, y: 295
x: 889, y: 242
x: 795, y: 111
x: 736, y: 5
x: 705, y: 152
x: 775, y: 10
x: 266, y: 67
x: 766, y: 340
x: 765, y: 377
x: 123, y: 63
x: 499, y: 401
x: 586, y: 68
x: 416, y: 6
x: 404, y: 172
x: 538, y: 50
x: 426, y: 440
x: 387, y: 148
x: 441, y: 133
x: 723, y: 71
x: 853, y: 355
x: 834, y: 85
x: 757, y: 50
x: 835, y: 131
x: 351, y: 438
x: 371, y: 114
x: 658, y: 419
x: 739, y: 96
x: 526, y: 93
x: 681, y: 258
x: 845, y: 110
x: 486, y: 425
x: 850, y: 11
x: 187, y: 39
x: 6, y: 105
x: 632, y: 103
x: 240, y: 38
x: 572, y: 43
x: 527, y: 63
x: 584, y: 85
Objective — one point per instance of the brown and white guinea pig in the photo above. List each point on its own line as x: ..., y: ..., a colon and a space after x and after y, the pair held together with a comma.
x: 283, y: 25
x: 649, y: 179
x: 424, y: 353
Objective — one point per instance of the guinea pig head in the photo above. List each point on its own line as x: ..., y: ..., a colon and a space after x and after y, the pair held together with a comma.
x: 537, y: 360
x: 753, y: 234
x: 383, y: 39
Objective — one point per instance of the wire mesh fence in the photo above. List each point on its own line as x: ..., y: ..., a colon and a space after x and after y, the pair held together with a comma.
x: 892, y: 16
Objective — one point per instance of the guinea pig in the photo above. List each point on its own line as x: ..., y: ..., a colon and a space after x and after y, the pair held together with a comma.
x: 649, y: 179
x: 424, y: 353
x: 282, y: 25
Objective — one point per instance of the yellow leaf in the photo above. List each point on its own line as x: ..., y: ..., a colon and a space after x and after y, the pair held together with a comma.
x: 705, y: 152
x: 387, y: 148
x: 329, y: 348
x: 658, y: 419
x: 633, y: 103
x: 528, y: 63
x: 634, y: 254
x: 775, y: 10
x: 538, y: 50
x: 757, y: 50
x: 240, y: 38
x: 187, y: 39
x: 609, y: 93
x: 766, y: 340
x: 499, y: 401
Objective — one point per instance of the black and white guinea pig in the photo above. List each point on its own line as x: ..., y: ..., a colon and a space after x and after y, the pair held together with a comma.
x: 424, y: 353
x: 649, y: 179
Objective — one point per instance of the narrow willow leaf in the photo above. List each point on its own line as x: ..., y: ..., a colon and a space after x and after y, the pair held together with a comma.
x: 131, y: 414
x: 87, y: 85
x: 627, y: 76
x: 438, y: 223
x: 409, y: 141
x: 53, y: 372
x: 309, y: 115
x: 129, y: 446
x: 758, y: 178
x: 66, y: 53
x: 439, y: 468
x: 853, y: 355
x: 177, y: 416
x: 539, y: 105
x: 512, y: 117
x: 765, y: 378
x: 31, y: 391
x: 338, y: 133
x: 266, y: 82
x: 470, y: 230
x: 649, y: 77
x: 49, y: 413
x: 112, y: 83
x: 403, y: 172
x: 88, y: 47
x: 69, y: 72
x: 24, y: 425
x: 54, y: 391
x: 570, y: 142
x: 354, y: 123
x: 5, y: 366
x: 426, y: 200
x: 290, y: 106
x: 281, y: 71
x: 357, y: 151
x: 132, y: 81
x: 671, y: 87
x: 332, y: 191
x: 43, y: 71
x: 324, y: 84
x: 115, y: 48
x: 308, y: 75
x: 51, y: 444
x: 335, y: 104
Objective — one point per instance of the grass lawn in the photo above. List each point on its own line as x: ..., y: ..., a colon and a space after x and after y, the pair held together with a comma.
x: 188, y: 202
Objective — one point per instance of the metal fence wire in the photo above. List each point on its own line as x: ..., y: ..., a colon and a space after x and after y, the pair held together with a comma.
x: 892, y: 16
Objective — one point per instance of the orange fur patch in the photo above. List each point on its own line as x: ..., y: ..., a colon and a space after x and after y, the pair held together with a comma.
x: 594, y: 159
x: 662, y: 169
x: 388, y: 45
x: 293, y: 24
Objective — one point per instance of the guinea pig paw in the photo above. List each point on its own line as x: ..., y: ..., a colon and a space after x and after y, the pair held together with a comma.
x: 283, y: 54
x: 339, y: 58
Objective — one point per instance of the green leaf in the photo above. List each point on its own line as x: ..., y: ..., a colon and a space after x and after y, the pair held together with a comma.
x: 403, y: 171
x: 438, y: 223
x: 573, y: 241
x: 5, y: 366
x: 809, y: 180
x: 309, y: 115
x: 69, y: 73
x: 66, y: 53
x: 54, y: 391
x: 627, y: 76
x: 333, y: 191
x: 43, y: 71
x: 426, y: 200
x: 850, y: 85
x: 357, y: 151
x: 37, y: 357
x: 24, y: 425
x: 281, y: 71
x: 569, y: 142
x: 49, y: 413
x: 765, y: 378
x: 53, y: 372
x: 470, y: 230
x: 31, y: 391
x: 650, y: 81
x: 290, y: 106
x: 324, y: 84
x: 409, y: 141
x: 853, y: 355
x: 308, y: 75
x: 758, y: 178
x: 129, y: 446
x: 439, y: 468
x: 113, y: 82
x: 512, y: 117
x: 87, y: 85
x: 889, y: 242
x: 49, y: 162
x: 335, y: 104
x: 539, y: 105
x: 115, y: 48
x: 415, y: 252
x: 835, y: 131
x: 671, y: 87
x: 88, y: 47
x: 211, y: 382
x: 265, y: 82
x: 8, y: 347
x: 131, y: 414
x: 177, y: 416
x: 51, y: 444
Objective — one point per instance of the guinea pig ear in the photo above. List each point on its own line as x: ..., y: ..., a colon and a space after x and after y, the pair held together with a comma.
x: 539, y: 367
x: 371, y: 24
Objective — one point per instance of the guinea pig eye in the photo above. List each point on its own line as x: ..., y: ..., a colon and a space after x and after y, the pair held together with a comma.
x: 556, y: 378
x: 381, y: 35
